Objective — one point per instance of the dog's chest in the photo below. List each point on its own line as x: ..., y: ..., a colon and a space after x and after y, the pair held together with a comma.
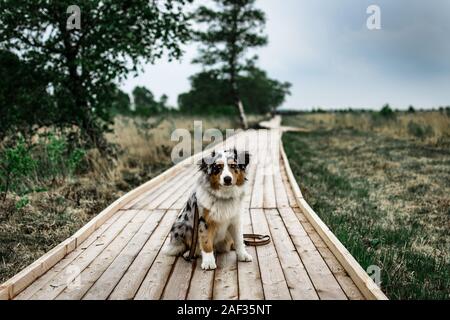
x: 220, y: 210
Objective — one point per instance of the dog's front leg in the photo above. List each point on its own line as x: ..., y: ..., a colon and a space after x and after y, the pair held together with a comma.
x: 236, y: 233
x: 206, y: 234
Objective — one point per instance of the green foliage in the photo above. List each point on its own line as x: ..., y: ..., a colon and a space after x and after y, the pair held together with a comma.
x: 16, y: 164
x: 23, y: 96
x: 116, y: 101
x: 209, y: 93
x: 25, y: 167
x: 419, y: 131
x: 145, y: 103
x: 411, y: 109
x: 114, y: 39
x: 56, y: 158
x: 22, y: 202
x: 387, y: 112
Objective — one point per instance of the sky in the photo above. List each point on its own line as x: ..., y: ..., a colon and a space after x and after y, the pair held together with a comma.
x: 325, y: 49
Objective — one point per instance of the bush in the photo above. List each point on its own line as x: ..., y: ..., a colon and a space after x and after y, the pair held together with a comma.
x: 387, y: 112
x: 419, y: 131
x: 56, y: 158
x: 411, y: 109
x: 16, y: 163
x: 29, y: 167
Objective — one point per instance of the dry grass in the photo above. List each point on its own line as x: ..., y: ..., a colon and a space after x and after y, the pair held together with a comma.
x: 431, y: 127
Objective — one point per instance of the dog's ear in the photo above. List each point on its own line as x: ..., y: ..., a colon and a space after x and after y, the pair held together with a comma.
x: 203, y: 166
x: 206, y: 162
x: 243, y: 159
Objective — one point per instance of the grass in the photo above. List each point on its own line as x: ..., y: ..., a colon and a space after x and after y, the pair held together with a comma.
x: 45, y: 212
x: 383, y: 191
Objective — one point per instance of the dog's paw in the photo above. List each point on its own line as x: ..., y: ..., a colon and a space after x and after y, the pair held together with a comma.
x: 244, y: 256
x: 208, y: 262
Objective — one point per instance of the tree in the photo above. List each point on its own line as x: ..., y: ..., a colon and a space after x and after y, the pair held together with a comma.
x: 117, y: 100
x: 262, y: 94
x: 145, y: 103
x: 233, y: 27
x: 208, y: 93
x: 115, y: 38
x: 23, y: 96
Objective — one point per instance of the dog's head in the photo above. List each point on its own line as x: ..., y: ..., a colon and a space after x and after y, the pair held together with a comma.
x: 225, y: 168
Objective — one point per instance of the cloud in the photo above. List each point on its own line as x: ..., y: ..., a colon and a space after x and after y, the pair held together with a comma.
x: 325, y: 50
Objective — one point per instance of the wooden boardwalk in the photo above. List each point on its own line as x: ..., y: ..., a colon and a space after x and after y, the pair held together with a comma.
x: 118, y: 254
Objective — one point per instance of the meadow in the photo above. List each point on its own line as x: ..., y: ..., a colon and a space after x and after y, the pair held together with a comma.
x: 381, y: 182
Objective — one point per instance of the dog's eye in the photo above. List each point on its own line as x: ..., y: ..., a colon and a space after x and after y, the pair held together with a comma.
x: 215, y: 169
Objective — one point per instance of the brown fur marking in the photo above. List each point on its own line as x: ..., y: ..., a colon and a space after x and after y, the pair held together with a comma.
x: 206, y: 236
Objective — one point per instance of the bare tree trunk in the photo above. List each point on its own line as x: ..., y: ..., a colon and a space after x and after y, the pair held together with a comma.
x: 242, y: 116
x: 234, y: 71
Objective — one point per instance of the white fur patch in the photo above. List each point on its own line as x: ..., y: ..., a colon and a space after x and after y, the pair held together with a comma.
x: 226, y: 169
x: 208, y: 261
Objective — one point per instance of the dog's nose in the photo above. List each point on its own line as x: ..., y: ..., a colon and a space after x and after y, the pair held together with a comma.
x: 227, y: 180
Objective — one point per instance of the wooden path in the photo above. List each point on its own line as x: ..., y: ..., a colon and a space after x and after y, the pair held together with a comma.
x: 118, y: 254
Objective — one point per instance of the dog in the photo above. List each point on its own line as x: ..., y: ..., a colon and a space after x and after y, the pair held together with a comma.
x: 218, y: 197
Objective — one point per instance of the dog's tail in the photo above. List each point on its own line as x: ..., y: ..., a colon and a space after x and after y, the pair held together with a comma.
x: 175, y: 248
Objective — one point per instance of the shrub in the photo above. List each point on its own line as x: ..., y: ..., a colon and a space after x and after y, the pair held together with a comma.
x: 56, y: 157
x: 419, y: 131
x: 16, y: 163
x: 30, y: 167
x: 387, y: 112
x: 411, y: 109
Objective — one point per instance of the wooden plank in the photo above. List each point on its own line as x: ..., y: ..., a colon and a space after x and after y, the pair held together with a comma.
x: 346, y: 283
x: 290, y: 176
x: 131, y: 281
x: 174, y: 195
x: 271, y: 169
x: 290, y: 194
x: 365, y: 284
x: 249, y: 277
x: 280, y: 188
x: 225, y: 278
x: 50, y: 274
x: 81, y: 284
x: 181, y: 202
x: 258, y: 190
x: 170, y: 185
x: 201, y: 283
x: 297, y: 278
x: 324, y: 281
x: 153, y: 285
x: 104, y: 285
x: 269, y: 201
x: 178, y: 284
x: 59, y: 283
x: 273, y: 280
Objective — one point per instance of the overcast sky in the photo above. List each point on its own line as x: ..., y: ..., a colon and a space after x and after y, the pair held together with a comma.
x: 324, y: 48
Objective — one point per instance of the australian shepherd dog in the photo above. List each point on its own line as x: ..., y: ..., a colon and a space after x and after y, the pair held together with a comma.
x: 218, y: 197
